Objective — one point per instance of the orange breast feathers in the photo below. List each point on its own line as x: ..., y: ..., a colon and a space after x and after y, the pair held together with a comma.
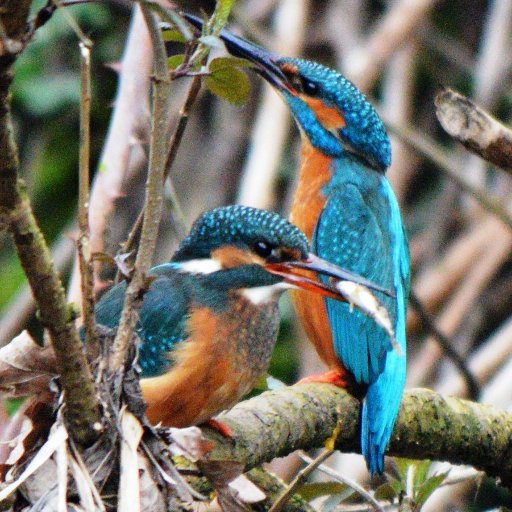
x: 308, y: 203
x: 203, y: 380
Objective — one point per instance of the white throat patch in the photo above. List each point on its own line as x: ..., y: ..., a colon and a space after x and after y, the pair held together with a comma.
x: 265, y: 294
x: 200, y: 266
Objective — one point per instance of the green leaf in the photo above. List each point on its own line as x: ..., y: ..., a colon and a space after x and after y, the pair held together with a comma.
x: 385, y: 492
x: 420, y: 472
x: 428, y: 487
x: 316, y: 489
x: 402, y: 465
x: 220, y: 15
x: 227, y: 82
x: 229, y: 62
x: 175, y: 60
x: 397, y: 485
x: 173, y: 36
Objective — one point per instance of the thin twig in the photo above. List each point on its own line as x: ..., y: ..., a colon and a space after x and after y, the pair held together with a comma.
x: 427, y: 148
x: 83, y: 241
x: 154, y: 192
x: 119, y: 158
x: 82, y: 408
x: 74, y: 25
x: 446, y: 344
x: 297, y: 481
x: 352, y: 484
x: 177, y: 137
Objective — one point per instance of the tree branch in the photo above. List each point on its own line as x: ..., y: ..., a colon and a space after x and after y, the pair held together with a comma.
x: 82, y: 411
x: 428, y: 426
x: 473, y: 127
x: 154, y: 193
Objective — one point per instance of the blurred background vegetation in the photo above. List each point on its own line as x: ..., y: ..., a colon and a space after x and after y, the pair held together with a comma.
x: 399, y: 52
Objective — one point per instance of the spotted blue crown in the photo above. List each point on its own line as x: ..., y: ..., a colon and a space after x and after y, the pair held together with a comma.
x: 364, y: 131
x: 240, y: 226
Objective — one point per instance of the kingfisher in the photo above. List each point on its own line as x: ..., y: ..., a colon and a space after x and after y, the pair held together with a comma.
x: 209, y: 318
x: 347, y: 209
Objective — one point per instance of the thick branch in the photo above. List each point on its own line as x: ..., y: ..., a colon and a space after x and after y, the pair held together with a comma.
x: 475, y: 128
x: 429, y: 426
x: 82, y: 411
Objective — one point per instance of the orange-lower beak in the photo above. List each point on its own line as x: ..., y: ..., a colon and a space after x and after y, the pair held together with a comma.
x: 290, y: 271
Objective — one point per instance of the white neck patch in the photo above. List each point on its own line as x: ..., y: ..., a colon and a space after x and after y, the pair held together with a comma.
x: 200, y: 266
x: 265, y: 294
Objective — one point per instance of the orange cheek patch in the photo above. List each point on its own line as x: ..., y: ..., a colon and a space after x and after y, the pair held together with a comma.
x: 329, y: 117
x: 231, y: 257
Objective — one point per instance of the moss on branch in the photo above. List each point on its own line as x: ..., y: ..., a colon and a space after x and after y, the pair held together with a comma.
x: 428, y: 426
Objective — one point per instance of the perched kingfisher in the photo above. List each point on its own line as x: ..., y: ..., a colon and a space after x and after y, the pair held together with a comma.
x: 209, y: 318
x: 347, y: 209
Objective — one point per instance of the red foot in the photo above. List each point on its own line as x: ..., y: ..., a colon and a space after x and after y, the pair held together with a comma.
x: 338, y: 378
x: 220, y: 427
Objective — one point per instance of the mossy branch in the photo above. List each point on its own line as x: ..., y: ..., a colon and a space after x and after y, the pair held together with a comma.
x: 82, y: 412
x: 429, y: 426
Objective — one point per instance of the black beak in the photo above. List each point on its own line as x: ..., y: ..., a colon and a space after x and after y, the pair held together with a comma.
x: 288, y: 270
x: 330, y: 269
x: 265, y: 61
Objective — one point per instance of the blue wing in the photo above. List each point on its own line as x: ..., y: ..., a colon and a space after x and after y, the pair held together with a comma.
x: 350, y: 233
x: 364, y: 233
x: 163, y: 316
x: 382, y: 401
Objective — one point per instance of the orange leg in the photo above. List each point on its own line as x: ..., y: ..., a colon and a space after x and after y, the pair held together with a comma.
x: 220, y: 427
x: 339, y: 378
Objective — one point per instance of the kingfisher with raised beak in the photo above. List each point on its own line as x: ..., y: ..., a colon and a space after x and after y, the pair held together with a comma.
x: 347, y: 209
x: 209, y: 318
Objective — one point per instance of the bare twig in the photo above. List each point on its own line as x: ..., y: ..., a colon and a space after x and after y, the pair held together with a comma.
x: 461, y: 302
x: 427, y: 148
x: 352, y: 484
x: 177, y: 137
x: 154, y: 192
x: 83, y: 241
x: 484, y: 361
x: 435, y: 284
x: 447, y: 347
x: 130, y: 107
x: 299, y: 479
x: 474, y: 128
x: 82, y: 410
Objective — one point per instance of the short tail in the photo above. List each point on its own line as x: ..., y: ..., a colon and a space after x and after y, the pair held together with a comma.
x: 380, y: 409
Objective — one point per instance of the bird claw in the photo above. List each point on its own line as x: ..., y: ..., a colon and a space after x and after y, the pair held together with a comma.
x: 220, y: 427
x: 338, y: 378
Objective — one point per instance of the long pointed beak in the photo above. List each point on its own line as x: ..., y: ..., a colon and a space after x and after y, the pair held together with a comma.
x: 266, y: 62
x: 288, y: 271
x: 330, y: 269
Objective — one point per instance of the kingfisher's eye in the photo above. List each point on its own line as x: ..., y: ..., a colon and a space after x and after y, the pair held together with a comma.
x: 309, y: 88
x: 263, y: 249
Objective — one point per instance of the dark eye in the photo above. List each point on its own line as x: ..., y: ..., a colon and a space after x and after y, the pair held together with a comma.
x: 309, y: 88
x: 263, y: 249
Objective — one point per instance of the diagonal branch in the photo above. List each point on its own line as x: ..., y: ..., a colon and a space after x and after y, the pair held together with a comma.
x: 154, y: 192
x: 429, y: 426
x: 82, y: 413
x: 473, y: 127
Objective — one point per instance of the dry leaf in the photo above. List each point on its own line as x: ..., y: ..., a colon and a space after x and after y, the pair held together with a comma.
x: 190, y: 443
x: 25, y: 367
